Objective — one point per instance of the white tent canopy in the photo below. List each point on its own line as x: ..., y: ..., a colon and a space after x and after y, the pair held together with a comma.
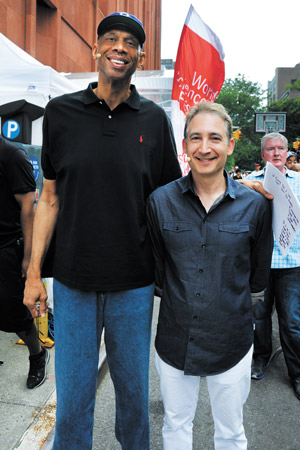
x: 21, y: 72
x: 23, y: 77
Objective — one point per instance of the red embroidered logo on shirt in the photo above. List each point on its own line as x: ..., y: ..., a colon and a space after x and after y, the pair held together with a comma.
x: 141, y: 139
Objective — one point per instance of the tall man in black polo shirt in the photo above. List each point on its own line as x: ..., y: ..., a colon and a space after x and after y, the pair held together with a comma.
x: 105, y: 149
x: 212, y: 239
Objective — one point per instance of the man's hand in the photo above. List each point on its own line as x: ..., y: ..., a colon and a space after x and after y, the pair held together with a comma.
x: 256, y: 186
x: 35, y: 292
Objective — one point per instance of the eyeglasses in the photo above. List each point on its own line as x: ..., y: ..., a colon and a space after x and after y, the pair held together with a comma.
x: 272, y: 149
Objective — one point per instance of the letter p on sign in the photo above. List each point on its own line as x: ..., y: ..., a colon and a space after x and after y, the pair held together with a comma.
x: 11, y: 129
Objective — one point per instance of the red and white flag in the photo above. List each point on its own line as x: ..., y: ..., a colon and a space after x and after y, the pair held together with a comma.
x: 198, y: 76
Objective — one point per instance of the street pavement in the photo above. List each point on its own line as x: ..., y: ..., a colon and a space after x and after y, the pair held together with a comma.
x: 27, y: 418
x: 271, y: 414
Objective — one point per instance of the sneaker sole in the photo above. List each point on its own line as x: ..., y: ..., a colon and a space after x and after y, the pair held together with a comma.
x: 271, y: 360
x: 257, y: 378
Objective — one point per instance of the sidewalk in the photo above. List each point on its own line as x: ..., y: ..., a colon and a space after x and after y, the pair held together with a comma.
x: 22, y: 409
x: 27, y: 417
x: 271, y: 414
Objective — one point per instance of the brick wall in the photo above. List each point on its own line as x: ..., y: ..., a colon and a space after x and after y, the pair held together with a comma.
x: 61, y: 33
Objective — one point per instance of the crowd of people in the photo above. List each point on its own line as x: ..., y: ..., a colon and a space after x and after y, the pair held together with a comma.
x: 292, y: 163
x: 239, y: 174
x: 128, y: 225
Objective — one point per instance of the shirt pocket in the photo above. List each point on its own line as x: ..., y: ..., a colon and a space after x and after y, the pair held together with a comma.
x: 234, y: 227
x: 234, y: 237
x: 177, y: 236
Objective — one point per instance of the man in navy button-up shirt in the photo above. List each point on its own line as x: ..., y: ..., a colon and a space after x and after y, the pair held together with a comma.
x: 212, y: 240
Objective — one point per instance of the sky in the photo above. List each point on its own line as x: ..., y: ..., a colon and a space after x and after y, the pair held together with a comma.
x: 257, y: 35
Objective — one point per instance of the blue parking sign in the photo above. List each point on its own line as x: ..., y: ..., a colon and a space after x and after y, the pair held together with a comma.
x: 11, y: 129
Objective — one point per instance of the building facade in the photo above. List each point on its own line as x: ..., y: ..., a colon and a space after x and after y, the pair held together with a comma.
x: 61, y: 33
x: 277, y: 87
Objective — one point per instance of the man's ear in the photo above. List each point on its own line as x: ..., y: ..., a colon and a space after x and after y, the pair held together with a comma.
x: 230, y: 147
x: 141, y: 61
x: 94, y: 51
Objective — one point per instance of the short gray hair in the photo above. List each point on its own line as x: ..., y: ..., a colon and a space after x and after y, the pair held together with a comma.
x: 276, y: 136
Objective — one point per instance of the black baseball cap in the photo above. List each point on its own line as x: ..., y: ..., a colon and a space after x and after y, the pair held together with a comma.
x: 126, y: 20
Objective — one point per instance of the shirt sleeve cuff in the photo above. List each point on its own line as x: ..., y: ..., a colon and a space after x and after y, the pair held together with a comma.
x: 257, y: 296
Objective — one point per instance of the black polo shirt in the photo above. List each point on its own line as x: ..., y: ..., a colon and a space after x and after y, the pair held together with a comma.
x: 105, y: 163
x: 16, y: 177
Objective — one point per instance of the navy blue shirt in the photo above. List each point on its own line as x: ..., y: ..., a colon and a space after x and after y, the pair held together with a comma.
x: 207, y: 264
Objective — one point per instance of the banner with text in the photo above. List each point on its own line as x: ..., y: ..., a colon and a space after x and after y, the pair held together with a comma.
x: 198, y: 76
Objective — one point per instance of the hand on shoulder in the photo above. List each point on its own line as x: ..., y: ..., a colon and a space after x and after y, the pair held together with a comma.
x: 257, y: 186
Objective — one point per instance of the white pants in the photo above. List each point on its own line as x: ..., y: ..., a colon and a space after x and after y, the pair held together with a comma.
x: 228, y: 392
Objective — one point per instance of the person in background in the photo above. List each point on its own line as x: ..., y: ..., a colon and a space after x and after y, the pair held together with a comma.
x: 291, y: 159
x: 283, y: 286
x: 292, y: 162
x: 212, y: 242
x: 257, y: 167
x: 105, y: 149
x: 238, y: 175
x: 17, y: 197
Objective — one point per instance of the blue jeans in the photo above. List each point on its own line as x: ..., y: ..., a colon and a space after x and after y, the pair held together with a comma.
x: 79, y: 318
x: 283, y: 290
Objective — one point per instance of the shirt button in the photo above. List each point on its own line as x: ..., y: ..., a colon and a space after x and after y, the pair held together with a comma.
x: 198, y: 294
x: 203, y: 245
x: 110, y: 117
x: 100, y: 102
x: 192, y: 339
x: 195, y: 317
x: 200, y: 270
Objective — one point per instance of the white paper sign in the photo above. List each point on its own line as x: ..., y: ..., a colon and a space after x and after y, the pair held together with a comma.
x: 286, y: 208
